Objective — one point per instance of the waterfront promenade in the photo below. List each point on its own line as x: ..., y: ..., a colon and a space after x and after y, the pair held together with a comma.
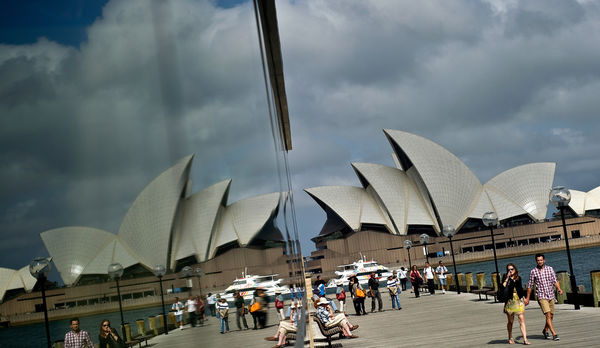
x: 448, y: 320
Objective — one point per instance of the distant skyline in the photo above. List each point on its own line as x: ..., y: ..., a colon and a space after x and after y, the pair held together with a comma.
x: 99, y: 97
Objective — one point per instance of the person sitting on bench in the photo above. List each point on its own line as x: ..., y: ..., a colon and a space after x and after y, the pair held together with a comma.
x: 327, y: 317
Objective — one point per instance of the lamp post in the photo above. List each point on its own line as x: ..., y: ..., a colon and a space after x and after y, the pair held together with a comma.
x: 187, y: 273
x: 560, y: 198
x: 115, y: 271
x: 407, y: 245
x: 159, y: 271
x: 39, y: 268
x: 424, y: 238
x: 198, y: 273
x: 490, y: 219
x: 449, y: 231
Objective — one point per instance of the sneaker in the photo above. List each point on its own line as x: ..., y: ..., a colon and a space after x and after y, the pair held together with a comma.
x: 555, y: 338
x: 443, y: 291
x: 546, y: 335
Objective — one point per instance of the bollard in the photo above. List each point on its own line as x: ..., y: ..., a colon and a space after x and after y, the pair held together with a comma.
x: 160, y: 323
x: 449, y: 282
x: 495, y: 281
x: 141, y: 326
x: 127, y: 332
x: 461, y: 280
x: 480, y: 280
x: 172, y: 321
x: 595, y: 277
x: 469, y: 280
x: 565, y: 285
x: 152, y: 325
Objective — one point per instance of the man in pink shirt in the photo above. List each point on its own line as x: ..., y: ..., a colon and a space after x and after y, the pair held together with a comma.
x: 545, y: 281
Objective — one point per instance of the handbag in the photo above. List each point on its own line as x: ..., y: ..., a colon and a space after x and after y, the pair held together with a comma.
x: 255, y: 307
x: 278, y: 304
x: 394, y: 290
x: 341, y: 296
x: 360, y: 293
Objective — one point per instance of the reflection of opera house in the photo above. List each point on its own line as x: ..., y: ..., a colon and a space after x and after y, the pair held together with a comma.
x: 431, y: 188
x: 165, y: 225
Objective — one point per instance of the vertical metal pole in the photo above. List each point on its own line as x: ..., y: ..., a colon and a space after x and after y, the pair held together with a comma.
x: 426, y: 253
x: 455, y: 270
x: 121, y: 311
x: 162, y: 299
x: 43, y: 280
x: 409, y: 262
x: 495, y: 258
x: 572, y: 274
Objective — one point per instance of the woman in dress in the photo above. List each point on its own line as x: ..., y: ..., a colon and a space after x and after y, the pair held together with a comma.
x: 416, y: 279
x: 108, y: 336
x: 512, y: 289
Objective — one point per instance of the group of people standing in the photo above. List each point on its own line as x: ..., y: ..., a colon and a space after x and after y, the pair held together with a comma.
x: 416, y: 278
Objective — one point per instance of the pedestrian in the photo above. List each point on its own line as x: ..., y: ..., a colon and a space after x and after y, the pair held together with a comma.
x: 329, y: 319
x: 340, y: 294
x: 200, y: 310
x: 374, y: 292
x: 253, y: 309
x: 402, y: 275
x: 77, y: 338
x: 212, y: 301
x: 279, y: 305
x: 177, y: 307
x: 240, y: 312
x: 394, y: 290
x: 512, y: 293
x: 223, y: 309
x: 258, y: 308
x: 544, y: 279
x: 191, y: 305
x: 358, y: 295
x: 429, y: 277
x: 441, y: 271
x: 108, y: 336
x: 415, y: 280
x: 320, y: 286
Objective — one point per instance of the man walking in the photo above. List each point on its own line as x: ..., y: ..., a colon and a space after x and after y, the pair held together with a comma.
x: 77, y: 338
x: 212, y: 301
x: 191, y: 305
x: 441, y: 271
x: 240, y: 313
x: 428, y: 274
x: 545, y: 281
x: 374, y: 291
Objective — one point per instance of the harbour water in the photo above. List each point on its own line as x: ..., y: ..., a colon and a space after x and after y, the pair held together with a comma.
x: 584, y: 261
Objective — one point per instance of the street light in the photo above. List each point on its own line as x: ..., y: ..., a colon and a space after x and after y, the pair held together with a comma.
x: 407, y: 245
x: 490, y: 219
x: 115, y: 271
x: 39, y: 268
x: 187, y: 273
x: 449, y: 231
x: 560, y: 198
x: 159, y: 271
x: 198, y: 273
x: 425, y: 240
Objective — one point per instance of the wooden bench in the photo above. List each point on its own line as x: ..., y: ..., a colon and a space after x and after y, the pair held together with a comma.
x: 481, y: 291
x: 328, y: 332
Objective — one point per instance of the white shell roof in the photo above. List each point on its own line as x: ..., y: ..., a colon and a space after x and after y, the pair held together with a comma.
x: 250, y: 215
x: 73, y: 248
x: 577, y: 202
x: 483, y: 206
x: 451, y: 184
x: 146, y: 228
x: 592, y: 199
x: 15, y: 279
x: 345, y: 201
x: 370, y: 212
x: 199, y: 222
x: 527, y: 186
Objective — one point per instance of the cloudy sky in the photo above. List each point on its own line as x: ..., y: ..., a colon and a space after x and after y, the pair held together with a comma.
x: 99, y: 97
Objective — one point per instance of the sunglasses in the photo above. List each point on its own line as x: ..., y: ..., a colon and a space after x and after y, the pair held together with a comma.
x: 105, y: 325
x: 511, y: 269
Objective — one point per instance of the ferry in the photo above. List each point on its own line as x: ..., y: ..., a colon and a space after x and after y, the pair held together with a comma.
x: 363, y: 269
x: 247, y: 284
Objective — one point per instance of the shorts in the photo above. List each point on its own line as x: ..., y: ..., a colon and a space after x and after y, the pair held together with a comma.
x: 546, y: 305
x: 442, y: 281
x: 178, y: 317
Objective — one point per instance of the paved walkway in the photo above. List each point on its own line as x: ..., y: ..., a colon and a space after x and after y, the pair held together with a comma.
x: 448, y: 320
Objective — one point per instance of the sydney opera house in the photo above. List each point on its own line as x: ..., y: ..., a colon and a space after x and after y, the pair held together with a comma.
x: 166, y: 225
x: 428, y: 189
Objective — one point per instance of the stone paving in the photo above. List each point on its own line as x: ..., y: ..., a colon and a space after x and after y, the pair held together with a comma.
x: 448, y: 320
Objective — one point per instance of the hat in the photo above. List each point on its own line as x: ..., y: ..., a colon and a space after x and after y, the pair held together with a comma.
x: 338, y: 282
x: 278, y: 291
x: 323, y: 301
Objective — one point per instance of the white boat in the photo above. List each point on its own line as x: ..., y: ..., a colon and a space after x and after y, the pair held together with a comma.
x: 362, y: 269
x: 247, y: 284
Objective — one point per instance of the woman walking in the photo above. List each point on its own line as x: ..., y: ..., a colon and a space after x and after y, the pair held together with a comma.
x: 340, y: 294
x: 415, y: 279
x: 108, y: 336
x: 512, y: 290
x: 358, y: 295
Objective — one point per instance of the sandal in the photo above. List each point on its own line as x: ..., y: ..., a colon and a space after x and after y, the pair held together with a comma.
x: 526, y: 342
x: 511, y: 341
